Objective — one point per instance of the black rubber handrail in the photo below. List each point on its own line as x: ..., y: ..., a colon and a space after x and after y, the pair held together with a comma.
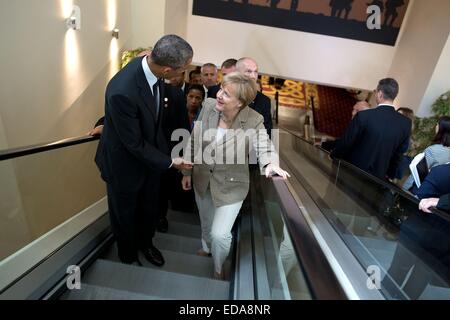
x: 39, y: 148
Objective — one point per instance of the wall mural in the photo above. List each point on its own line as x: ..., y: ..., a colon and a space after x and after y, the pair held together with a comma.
x: 376, y: 21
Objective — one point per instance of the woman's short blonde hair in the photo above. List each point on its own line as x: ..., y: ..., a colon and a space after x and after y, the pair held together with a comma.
x: 246, y: 88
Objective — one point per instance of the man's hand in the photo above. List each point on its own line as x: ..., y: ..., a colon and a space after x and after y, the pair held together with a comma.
x: 181, y: 164
x: 272, y: 169
x: 426, y: 204
x: 97, y: 131
x: 186, y: 183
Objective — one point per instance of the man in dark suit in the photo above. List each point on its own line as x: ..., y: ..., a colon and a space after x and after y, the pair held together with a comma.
x: 133, y: 152
x: 261, y: 104
x: 228, y: 66
x: 174, y: 117
x: 209, y: 74
x: 376, y: 138
x: 436, y: 183
x: 179, y: 82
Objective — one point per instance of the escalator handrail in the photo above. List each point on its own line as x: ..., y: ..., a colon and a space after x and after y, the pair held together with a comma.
x: 8, y: 154
x: 359, y: 172
x: 319, y: 275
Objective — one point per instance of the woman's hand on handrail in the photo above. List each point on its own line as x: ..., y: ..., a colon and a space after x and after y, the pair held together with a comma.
x: 272, y: 169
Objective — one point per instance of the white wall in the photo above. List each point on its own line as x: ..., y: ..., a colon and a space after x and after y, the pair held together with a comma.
x: 439, y: 84
x: 147, y: 22
x: 176, y: 18
x: 48, y: 72
x: 52, y: 84
x: 291, y: 54
x: 419, y: 55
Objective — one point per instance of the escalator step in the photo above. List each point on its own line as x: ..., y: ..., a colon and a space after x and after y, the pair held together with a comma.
x: 90, y: 292
x: 175, y: 262
x: 153, y: 282
x: 165, y: 241
x: 183, y: 217
x: 184, y: 229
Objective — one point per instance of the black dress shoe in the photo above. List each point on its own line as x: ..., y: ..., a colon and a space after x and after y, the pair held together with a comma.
x: 163, y: 225
x: 153, y: 256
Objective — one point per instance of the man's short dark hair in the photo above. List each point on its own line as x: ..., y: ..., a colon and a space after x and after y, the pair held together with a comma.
x: 172, y: 51
x: 197, y: 87
x: 209, y: 65
x: 195, y: 71
x: 229, y: 63
x: 389, y: 87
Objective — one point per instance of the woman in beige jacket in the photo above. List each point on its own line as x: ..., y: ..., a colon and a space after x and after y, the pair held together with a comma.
x: 224, y: 133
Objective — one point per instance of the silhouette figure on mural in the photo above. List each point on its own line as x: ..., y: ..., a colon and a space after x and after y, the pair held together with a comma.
x: 274, y: 3
x: 340, y: 6
x: 294, y: 5
x: 391, y: 11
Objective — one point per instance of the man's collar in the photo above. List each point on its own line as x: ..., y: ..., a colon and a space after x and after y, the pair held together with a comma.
x: 386, y: 105
x: 151, y: 78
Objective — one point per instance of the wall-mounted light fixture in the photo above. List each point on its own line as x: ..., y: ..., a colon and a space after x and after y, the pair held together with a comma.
x: 115, y: 33
x: 74, y: 21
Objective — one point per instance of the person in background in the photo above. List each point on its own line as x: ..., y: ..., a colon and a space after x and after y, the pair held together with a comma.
x: 195, y: 97
x: 439, y: 152
x: 261, y: 103
x: 359, y: 106
x: 442, y: 203
x: 228, y: 66
x: 209, y: 76
x: 436, y: 183
x: 195, y: 77
x: 179, y: 82
x: 405, y: 159
x: 377, y: 138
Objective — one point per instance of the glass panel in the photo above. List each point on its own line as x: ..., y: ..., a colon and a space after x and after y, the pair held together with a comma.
x: 285, y: 277
x: 41, y: 191
x: 406, y: 251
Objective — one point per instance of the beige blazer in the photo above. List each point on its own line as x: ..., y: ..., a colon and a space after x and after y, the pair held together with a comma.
x: 221, y: 166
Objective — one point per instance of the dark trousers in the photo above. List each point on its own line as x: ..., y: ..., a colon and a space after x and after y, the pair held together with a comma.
x: 172, y: 191
x: 133, y: 218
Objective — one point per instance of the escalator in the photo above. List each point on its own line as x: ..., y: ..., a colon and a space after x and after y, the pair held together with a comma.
x: 382, y: 245
x: 329, y: 232
x: 109, y: 279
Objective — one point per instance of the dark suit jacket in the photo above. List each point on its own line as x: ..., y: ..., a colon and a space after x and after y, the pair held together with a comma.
x: 444, y: 203
x: 436, y: 184
x: 212, y: 91
x: 185, y: 89
x: 175, y: 115
x: 374, y: 141
x: 132, y: 147
x: 262, y: 105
